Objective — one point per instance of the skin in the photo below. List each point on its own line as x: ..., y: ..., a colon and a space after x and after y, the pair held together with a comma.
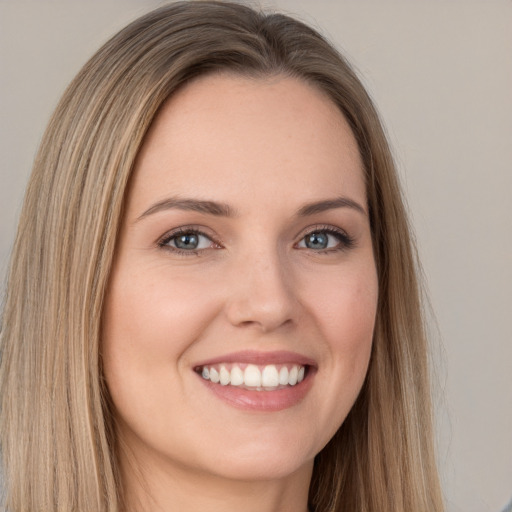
x: 264, y: 147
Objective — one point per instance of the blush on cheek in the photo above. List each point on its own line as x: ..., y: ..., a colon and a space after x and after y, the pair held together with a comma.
x: 350, y: 310
x: 349, y: 316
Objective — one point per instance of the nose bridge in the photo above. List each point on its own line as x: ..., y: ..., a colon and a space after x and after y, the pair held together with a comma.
x: 263, y: 290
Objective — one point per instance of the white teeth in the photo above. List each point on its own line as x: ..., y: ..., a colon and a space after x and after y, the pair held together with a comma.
x: 269, y: 376
x: 283, y: 376
x: 252, y: 376
x: 225, y: 376
x: 237, y: 376
x: 292, y: 377
x: 214, y: 375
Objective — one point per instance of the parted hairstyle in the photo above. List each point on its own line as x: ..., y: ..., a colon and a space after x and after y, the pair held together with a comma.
x: 57, y: 422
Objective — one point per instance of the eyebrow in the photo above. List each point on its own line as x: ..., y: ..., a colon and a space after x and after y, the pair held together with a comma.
x: 330, y: 204
x: 195, y: 205
x: 224, y: 210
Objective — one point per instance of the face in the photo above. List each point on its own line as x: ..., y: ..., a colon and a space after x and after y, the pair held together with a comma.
x: 238, y: 323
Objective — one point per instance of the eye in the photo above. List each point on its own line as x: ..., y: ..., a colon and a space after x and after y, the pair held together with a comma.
x: 187, y: 240
x: 326, y: 240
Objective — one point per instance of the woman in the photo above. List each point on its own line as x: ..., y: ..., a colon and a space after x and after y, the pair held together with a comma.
x: 213, y: 299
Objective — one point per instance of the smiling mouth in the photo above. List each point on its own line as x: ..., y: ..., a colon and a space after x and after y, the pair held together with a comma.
x: 252, y: 377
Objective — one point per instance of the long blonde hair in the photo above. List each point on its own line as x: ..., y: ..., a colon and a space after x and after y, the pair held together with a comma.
x: 57, y: 434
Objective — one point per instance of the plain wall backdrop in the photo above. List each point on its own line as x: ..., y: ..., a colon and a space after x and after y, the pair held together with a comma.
x: 440, y: 73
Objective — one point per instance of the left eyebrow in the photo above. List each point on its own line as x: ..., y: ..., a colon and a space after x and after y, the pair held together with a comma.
x: 330, y: 204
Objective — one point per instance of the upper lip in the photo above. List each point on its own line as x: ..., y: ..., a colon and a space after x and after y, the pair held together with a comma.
x: 260, y: 358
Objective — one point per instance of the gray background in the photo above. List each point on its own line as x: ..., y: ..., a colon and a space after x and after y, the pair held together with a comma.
x: 441, y: 75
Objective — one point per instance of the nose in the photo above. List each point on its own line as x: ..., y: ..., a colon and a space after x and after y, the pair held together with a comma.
x: 262, y: 293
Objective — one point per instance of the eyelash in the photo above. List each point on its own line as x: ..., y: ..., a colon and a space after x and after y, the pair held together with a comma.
x: 164, y: 242
x: 345, y: 241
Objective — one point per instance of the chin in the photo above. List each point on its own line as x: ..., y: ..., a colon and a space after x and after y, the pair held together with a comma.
x: 266, y: 458
x: 261, y: 468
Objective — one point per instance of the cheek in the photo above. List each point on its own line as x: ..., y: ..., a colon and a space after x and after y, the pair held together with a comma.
x: 344, y: 312
x: 345, y: 308
x: 149, y: 322
x: 154, y: 317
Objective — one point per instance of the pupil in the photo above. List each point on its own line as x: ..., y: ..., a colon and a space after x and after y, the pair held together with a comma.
x: 189, y: 241
x: 316, y: 241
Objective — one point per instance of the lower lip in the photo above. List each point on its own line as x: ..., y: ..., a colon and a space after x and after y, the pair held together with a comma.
x: 264, y: 401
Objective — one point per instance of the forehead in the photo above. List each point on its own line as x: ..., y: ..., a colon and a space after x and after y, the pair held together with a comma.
x: 226, y: 134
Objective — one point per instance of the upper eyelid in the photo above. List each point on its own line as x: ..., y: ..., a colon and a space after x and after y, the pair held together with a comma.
x: 321, y: 227
x: 199, y: 230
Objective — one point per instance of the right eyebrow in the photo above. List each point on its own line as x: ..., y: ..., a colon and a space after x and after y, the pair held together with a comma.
x: 196, y: 205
